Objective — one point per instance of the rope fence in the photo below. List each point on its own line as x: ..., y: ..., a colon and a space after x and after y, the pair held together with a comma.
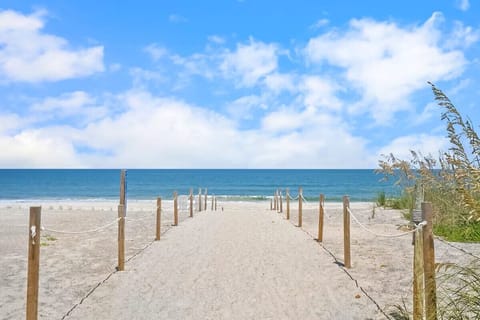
x: 423, y: 284
x: 98, y: 229
x: 181, y: 203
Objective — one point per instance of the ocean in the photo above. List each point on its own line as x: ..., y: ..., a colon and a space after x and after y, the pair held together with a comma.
x: 229, y: 184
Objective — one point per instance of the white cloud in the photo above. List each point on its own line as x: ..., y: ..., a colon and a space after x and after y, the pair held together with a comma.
x: 320, y: 93
x: 45, y: 148
x: 142, y: 77
x: 250, y: 62
x: 155, y: 51
x: 157, y: 132
x: 78, y: 103
x: 462, y: 36
x: 241, y: 107
x: 278, y: 82
x: 430, y: 110
x: 425, y: 143
x: 10, y: 121
x: 387, y: 63
x: 29, y: 55
x: 216, y: 39
x: 320, y: 23
x: 463, y: 5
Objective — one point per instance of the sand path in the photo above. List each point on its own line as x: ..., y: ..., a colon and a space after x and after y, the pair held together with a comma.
x: 230, y: 265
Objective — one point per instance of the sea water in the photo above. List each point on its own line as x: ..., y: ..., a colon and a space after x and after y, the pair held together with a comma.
x: 229, y: 184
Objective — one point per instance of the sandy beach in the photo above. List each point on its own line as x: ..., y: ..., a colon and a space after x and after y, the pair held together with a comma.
x: 242, y: 261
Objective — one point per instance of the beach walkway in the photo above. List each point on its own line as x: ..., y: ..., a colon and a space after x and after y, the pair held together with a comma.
x: 230, y: 264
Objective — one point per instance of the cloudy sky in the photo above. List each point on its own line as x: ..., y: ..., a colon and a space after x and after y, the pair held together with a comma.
x: 231, y: 84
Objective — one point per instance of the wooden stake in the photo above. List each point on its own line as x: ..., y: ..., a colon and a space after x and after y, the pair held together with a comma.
x: 175, y: 209
x: 429, y: 263
x: 191, y: 203
x: 288, y: 204
x: 123, y: 184
x: 271, y: 204
x: 206, y: 193
x: 275, y: 201
x: 33, y: 264
x: 215, y: 203
x: 320, y: 218
x: 346, y: 233
x: 159, y: 217
x: 418, y: 273
x: 199, y: 199
x: 121, y: 238
x: 281, y: 202
x: 213, y: 196
x: 300, y: 204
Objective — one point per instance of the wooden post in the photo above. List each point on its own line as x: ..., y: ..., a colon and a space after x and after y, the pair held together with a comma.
x: 123, y: 184
x: 288, y: 204
x: 300, y: 204
x: 213, y: 197
x: 199, y: 199
x: 175, y: 209
x: 320, y: 218
x: 159, y: 217
x: 191, y: 203
x: 275, y: 201
x: 206, y: 193
x: 33, y: 264
x: 281, y: 202
x: 215, y: 203
x: 271, y: 204
x: 418, y: 272
x: 122, y: 211
x: 429, y: 263
x: 121, y: 237
x: 346, y: 233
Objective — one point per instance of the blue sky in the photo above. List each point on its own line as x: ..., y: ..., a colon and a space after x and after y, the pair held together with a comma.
x: 231, y: 84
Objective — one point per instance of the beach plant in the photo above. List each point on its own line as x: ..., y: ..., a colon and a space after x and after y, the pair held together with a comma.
x: 459, y: 291
x: 450, y: 182
x: 381, y: 199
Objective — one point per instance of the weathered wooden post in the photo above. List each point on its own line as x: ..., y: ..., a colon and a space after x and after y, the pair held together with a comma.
x: 199, y: 199
x: 271, y: 204
x: 121, y: 237
x: 159, y: 218
x: 275, y: 201
x: 429, y: 263
x: 281, y: 201
x: 206, y: 194
x: 320, y: 218
x: 213, y: 199
x: 418, y: 273
x: 191, y: 202
x: 287, y: 196
x: 300, y: 203
x: 215, y: 203
x: 33, y: 263
x: 122, y: 212
x: 346, y: 232
x: 175, y: 209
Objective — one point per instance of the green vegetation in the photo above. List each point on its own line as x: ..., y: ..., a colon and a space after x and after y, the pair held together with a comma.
x: 451, y: 182
x: 460, y: 295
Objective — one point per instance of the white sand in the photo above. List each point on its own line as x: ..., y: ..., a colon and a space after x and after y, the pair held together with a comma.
x: 245, y: 262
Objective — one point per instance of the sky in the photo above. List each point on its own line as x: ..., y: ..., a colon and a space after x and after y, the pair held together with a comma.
x: 232, y: 83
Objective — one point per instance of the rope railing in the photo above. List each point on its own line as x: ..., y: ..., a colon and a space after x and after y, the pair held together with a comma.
x: 421, y: 224
x: 457, y: 248
x: 98, y: 229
